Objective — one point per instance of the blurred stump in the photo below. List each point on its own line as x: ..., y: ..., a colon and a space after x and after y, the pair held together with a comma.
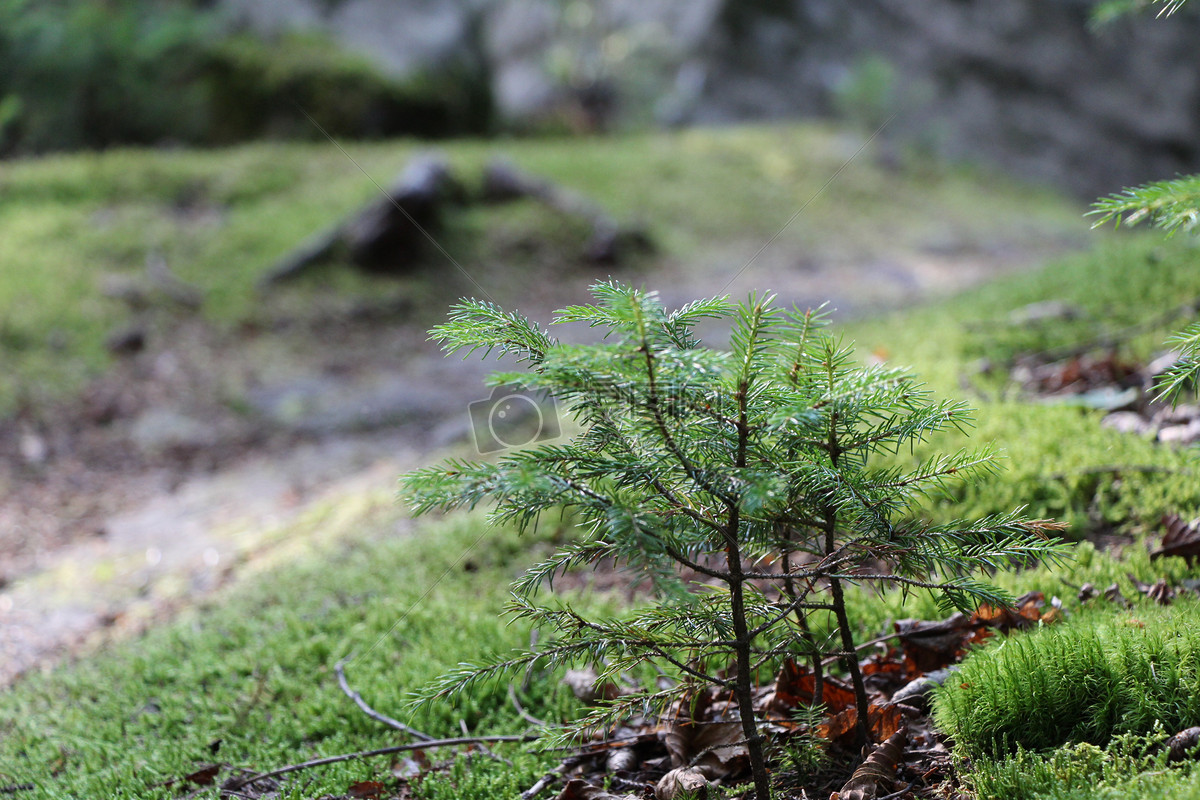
x: 390, y: 233
x: 386, y: 235
x: 608, y: 243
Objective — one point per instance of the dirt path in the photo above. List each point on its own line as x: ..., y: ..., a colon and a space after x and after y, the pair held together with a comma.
x: 187, y: 462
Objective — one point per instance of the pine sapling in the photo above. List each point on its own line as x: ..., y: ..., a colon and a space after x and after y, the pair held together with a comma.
x: 740, y: 482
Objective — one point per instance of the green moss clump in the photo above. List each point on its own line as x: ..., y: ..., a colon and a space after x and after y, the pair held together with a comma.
x: 260, y: 88
x: 1096, y: 677
x: 1130, y: 768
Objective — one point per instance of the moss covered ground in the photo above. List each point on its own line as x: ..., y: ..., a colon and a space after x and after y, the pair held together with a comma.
x: 71, y: 224
x: 252, y: 668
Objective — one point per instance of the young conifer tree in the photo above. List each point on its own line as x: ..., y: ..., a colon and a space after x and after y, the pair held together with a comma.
x: 741, y: 481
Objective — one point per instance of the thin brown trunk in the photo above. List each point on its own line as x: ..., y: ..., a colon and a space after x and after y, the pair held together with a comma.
x: 744, y: 682
x: 850, y: 661
x: 743, y: 687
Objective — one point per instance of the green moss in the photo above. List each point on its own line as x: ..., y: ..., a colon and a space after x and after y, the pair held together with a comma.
x: 1127, y: 769
x: 255, y: 673
x: 131, y: 72
x: 1059, y: 461
x: 1087, y: 680
x: 221, y: 218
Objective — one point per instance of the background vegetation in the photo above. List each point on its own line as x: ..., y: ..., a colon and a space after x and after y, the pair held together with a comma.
x: 151, y: 72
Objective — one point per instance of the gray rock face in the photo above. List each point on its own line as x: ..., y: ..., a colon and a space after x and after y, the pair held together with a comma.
x: 402, y: 37
x: 1023, y: 83
x: 1026, y: 84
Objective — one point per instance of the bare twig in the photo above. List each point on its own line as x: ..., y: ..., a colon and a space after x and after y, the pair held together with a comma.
x: 898, y: 792
x: 542, y: 783
x: 525, y: 715
x: 340, y: 669
x: 863, y: 646
x: 487, y: 751
x: 551, y: 776
x: 383, y: 751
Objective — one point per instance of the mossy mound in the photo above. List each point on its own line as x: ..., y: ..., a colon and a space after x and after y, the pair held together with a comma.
x: 1097, y: 677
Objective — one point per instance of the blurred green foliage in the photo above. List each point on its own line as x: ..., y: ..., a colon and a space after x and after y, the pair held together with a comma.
x: 129, y: 72
x: 94, y: 74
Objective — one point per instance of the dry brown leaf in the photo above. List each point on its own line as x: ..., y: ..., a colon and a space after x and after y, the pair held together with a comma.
x: 1180, y: 539
x: 796, y: 685
x: 684, y: 780
x: 887, y: 665
x: 1025, y: 612
x: 706, y: 732
x: 368, y: 790
x: 203, y: 776
x: 1182, y: 745
x: 582, y: 790
x: 882, y: 720
x: 929, y: 646
x: 1113, y: 595
x: 876, y: 771
x: 719, y: 748
x: 1159, y: 591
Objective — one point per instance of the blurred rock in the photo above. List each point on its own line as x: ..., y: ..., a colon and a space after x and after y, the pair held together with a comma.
x: 1029, y: 85
x: 1126, y: 422
x: 33, y: 447
x: 127, y: 340
x: 402, y: 37
x: 388, y: 233
x: 1180, y: 434
x: 163, y: 430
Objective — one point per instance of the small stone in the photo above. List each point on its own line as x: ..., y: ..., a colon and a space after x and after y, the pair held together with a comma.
x: 126, y: 341
x: 1162, y: 363
x: 34, y: 449
x: 1177, y: 415
x: 916, y: 692
x: 1044, y: 311
x: 161, y: 430
x: 585, y: 685
x: 1126, y: 422
x: 1180, y: 434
